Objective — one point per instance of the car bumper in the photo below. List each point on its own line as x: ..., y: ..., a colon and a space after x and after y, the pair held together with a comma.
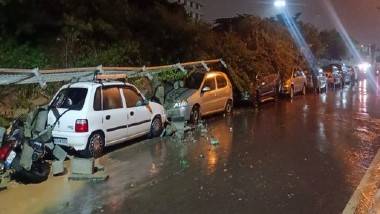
x: 182, y: 112
x: 77, y: 141
x: 285, y: 89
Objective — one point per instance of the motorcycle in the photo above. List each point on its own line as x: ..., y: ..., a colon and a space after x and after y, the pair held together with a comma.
x: 27, y: 147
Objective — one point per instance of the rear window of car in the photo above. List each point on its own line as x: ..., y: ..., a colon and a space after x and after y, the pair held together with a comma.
x: 70, y: 98
x: 221, y: 81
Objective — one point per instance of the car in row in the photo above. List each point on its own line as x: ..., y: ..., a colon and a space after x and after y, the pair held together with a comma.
x: 92, y: 115
x: 317, y: 81
x: 269, y: 86
x: 200, y: 94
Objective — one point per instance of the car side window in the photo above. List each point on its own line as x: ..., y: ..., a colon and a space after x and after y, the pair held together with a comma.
x: 112, y: 98
x: 98, y: 99
x: 210, y: 82
x: 221, y: 82
x: 132, y: 98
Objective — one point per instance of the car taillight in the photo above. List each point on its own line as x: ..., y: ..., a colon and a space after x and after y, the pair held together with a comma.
x: 4, y: 151
x: 81, y: 126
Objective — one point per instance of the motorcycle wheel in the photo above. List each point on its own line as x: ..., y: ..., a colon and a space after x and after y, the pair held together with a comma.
x: 39, y: 173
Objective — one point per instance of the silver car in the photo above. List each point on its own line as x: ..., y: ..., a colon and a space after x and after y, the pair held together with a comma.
x: 201, y: 93
x: 296, y: 83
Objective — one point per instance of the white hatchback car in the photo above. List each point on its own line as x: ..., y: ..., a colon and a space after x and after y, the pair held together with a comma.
x: 93, y: 115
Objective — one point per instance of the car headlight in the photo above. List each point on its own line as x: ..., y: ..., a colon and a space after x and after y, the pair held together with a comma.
x: 183, y: 103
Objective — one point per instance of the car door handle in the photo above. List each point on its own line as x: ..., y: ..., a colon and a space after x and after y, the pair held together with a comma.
x: 132, y: 113
x: 108, y: 117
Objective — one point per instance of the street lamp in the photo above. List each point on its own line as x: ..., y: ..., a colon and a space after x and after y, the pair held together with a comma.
x: 280, y: 3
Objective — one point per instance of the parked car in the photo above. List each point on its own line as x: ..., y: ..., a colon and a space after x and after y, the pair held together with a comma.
x: 266, y: 88
x: 296, y: 83
x: 93, y: 115
x: 345, y: 73
x: 334, y: 79
x: 317, y: 82
x: 201, y: 94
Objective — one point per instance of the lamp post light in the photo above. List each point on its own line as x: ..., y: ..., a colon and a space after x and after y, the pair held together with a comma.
x: 279, y: 3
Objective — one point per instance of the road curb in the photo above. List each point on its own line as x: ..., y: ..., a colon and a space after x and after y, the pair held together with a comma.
x: 363, y: 199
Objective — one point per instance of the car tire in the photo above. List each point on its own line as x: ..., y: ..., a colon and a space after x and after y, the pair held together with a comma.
x: 304, y: 90
x: 95, y: 146
x: 195, y: 115
x: 38, y: 173
x: 156, y: 127
x: 229, y: 107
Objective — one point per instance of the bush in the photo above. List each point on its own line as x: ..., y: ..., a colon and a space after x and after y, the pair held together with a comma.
x: 15, y: 55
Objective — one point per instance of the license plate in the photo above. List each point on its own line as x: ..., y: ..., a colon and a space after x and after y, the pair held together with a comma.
x: 10, y: 158
x: 60, y: 140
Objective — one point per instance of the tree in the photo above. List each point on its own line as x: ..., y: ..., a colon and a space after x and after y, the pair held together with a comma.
x: 334, y: 46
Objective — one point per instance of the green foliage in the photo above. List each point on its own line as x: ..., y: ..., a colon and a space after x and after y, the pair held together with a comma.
x: 334, y: 46
x: 15, y: 55
x: 4, y: 122
x: 119, y: 54
x: 171, y: 75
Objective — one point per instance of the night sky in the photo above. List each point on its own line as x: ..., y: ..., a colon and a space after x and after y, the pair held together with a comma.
x: 361, y: 18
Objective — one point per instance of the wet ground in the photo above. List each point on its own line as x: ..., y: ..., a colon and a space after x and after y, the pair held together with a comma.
x: 302, y: 156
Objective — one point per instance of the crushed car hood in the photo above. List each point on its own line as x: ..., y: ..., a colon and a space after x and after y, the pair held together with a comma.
x: 177, y: 95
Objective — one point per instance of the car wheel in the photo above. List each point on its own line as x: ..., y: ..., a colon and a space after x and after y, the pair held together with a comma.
x: 229, y: 107
x: 156, y: 127
x: 291, y: 92
x: 195, y: 115
x: 95, y: 146
x: 304, y: 90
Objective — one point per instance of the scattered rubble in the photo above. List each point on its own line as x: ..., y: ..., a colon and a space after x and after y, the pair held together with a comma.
x: 85, y: 169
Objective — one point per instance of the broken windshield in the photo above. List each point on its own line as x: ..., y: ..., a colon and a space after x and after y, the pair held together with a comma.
x: 70, y: 98
x: 194, y: 80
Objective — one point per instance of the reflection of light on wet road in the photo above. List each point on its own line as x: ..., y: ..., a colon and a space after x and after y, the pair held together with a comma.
x: 221, y: 152
x: 212, y: 160
x: 322, y: 144
x: 323, y: 98
x: 363, y: 96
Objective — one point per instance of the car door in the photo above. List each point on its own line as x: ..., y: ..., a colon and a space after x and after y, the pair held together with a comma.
x: 297, y: 81
x: 222, y: 92
x: 265, y: 86
x: 303, y: 80
x: 208, y: 97
x: 114, y: 114
x: 138, y: 113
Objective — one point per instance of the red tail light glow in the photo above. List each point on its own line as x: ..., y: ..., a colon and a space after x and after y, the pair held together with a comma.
x: 4, y: 151
x: 81, y: 126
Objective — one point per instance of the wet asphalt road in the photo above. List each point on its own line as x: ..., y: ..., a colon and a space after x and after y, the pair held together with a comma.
x: 302, y: 156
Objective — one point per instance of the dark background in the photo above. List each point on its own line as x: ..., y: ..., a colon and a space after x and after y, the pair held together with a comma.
x: 360, y: 17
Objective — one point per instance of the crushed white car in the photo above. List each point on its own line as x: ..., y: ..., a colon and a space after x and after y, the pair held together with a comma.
x: 93, y: 115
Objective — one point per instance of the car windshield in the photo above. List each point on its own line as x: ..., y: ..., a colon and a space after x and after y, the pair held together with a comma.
x: 70, y: 98
x: 194, y: 80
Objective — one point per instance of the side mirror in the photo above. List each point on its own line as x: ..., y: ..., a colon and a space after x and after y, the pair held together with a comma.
x: 142, y: 103
x: 206, y: 89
